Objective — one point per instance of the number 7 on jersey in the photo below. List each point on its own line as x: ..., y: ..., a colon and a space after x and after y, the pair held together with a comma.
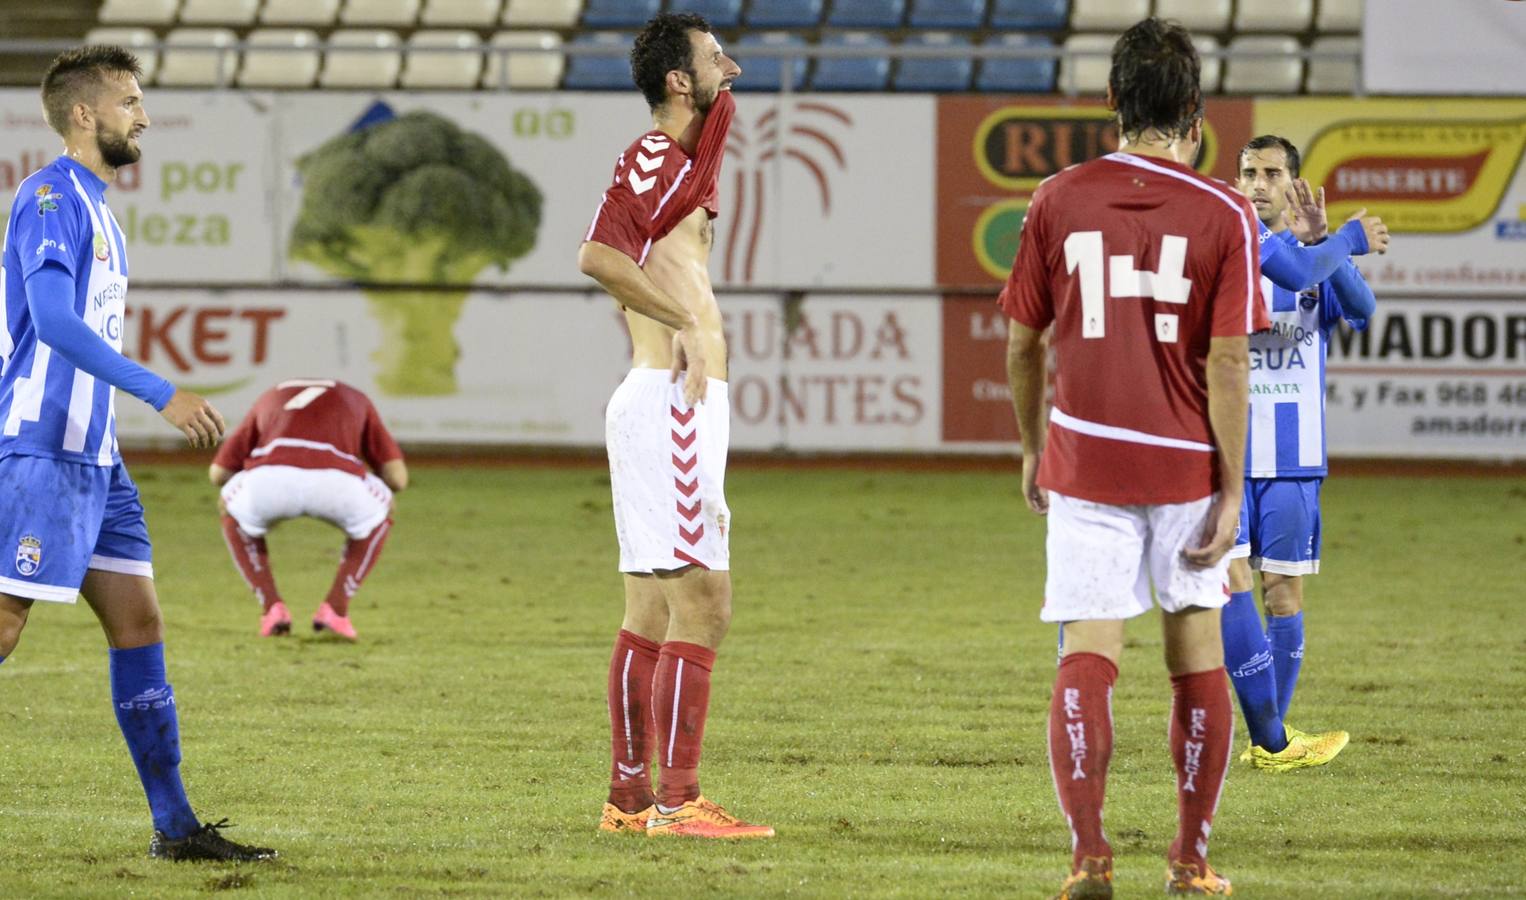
x: 1083, y: 252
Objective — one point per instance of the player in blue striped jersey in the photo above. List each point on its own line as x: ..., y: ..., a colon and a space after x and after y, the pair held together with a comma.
x: 1285, y: 448
x: 71, y: 522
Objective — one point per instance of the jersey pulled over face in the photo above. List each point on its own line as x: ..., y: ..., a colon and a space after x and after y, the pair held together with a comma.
x: 310, y: 423
x: 1137, y: 262
x: 47, y: 406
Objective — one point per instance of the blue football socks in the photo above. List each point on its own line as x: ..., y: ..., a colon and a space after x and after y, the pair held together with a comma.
x: 145, y: 708
x: 1286, y: 633
x: 1248, y: 657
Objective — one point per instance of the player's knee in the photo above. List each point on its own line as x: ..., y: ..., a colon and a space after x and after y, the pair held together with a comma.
x: 1239, y: 575
x: 1283, y: 594
x: 10, y: 634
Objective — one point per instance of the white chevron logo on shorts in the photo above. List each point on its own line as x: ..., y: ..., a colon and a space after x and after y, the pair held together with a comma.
x: 648, y: 163
x: 654, y: 144
x: 640, y: 185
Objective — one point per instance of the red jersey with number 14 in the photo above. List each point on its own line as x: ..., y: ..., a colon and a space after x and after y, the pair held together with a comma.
x: 1138, y: 262
x: 310, y: 423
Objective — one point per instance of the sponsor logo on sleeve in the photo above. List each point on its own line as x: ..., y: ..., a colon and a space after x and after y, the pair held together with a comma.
x: 47, y: 199
x: 29, y: 555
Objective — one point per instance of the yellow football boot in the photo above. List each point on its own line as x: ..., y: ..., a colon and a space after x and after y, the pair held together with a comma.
x: 1092, y: 881
x: 702, y: 819
x: 618, y: 820
x: 1190, y: 878
x: 1303, y: 751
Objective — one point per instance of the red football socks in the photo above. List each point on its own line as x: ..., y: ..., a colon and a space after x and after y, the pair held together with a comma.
x: 359, y: 558
x: 1080, y: 746
x: 633, y: 732
x: 1202, y: 728
x: 681, y: 699
x: 253, y: 561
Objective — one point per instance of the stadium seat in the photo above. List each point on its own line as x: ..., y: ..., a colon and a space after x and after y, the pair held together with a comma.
x: 373, y: 64
x: 1086, y: 74
x: 719, y: 13
x: 1196, y: 15
x: 1011, y: 75
x: 139, y: 12
x: 867, y: 13
x: 1279, y: 75
x: 619, y: 13
x: 459, y: 70
x: 1273, y: 15
x: 542, y: 13
x: 763, y: 70
x: 140, y: 41
x: 946, y: 13
x: 942, y: 73
x: 526, y: 71
x: 1213, y: 67
x: 219, y: 12
x: 1335, y: 76
x: 784, y: 14
x: 1031, y: 15
x: 858, y: 73
x: 191, y: 57
x: 291, y: 60
x: 1339, y: 15
x: 461, y: 13
x: 315, y: 13
x: 390, y: 13
x: 1107, y: 15
x: 600, y: 72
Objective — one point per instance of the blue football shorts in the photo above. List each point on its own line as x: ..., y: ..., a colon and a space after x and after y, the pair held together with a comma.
x: 1279, y: 525
x: 59, y: 519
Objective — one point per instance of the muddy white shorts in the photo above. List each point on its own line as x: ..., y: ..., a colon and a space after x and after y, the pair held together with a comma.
x: 1103, y: 560
x: 260, y: 497
x: 667, y: 472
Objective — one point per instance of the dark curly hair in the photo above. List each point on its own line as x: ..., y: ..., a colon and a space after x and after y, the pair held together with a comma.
x: 75, y: 73
x: 662, y: 46
x: 1155, y: 79
x: 1268, y: 141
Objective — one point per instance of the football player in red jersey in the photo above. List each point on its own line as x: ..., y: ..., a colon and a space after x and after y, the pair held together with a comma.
x: 667, y: 428
x: 309, y: 447
x: 1147, y: 273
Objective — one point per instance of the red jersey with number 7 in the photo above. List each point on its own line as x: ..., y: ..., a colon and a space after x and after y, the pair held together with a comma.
x: 310, y: 423
x: 1137, y: 262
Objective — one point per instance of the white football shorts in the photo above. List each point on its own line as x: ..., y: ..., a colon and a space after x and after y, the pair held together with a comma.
x: 1103, y: 560
x: 260, y: 497
x: 667, y: 472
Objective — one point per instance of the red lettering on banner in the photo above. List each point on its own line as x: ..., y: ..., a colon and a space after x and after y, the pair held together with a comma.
x: 1404, y: 177
x: 203, y: 335
x: 151, y: 332
x: 261, y: 319
x: 207, y: 338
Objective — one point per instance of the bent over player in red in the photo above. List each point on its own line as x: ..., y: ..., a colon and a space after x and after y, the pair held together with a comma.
x: 1148, y: 273
x: 304, y: 450
x: 667, y: 428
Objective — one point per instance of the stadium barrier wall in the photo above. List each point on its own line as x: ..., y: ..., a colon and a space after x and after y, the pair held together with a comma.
x: 860, y: 243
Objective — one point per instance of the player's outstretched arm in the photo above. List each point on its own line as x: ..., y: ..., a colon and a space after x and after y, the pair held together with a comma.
x: 1025, y: 375
x: 1305, y: 213
x: 1228, y: 405
x: 1355, y: 296
x: 633, y: 289
x: 1299, y: 268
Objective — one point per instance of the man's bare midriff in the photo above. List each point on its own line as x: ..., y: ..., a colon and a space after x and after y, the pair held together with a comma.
x: 679, y: 265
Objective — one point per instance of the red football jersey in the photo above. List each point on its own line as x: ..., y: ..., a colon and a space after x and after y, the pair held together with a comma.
x: 1137, y: 261
x: 657, y: 183
x: 310, y: 423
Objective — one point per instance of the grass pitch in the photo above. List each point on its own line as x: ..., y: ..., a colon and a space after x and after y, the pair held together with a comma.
x: 881, y: 701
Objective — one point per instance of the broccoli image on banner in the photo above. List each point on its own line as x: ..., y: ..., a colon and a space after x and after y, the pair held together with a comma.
x: 415, y: 201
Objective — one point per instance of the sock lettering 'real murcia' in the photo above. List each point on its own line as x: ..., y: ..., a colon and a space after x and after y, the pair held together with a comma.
x: 359, y: 559
x: 252, y: 558
x: 1248, y: 658
x: 1202, y: 729
x: 1081, y: 746
x: 145, y: 709
x: 633, y: 730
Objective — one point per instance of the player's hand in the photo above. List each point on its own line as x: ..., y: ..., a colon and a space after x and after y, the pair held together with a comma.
x: 689, y: 356
x: 1037, y: 497
x: 1305, y: 213
x: 1219, y: 529
x: 1373, y: 227
x: 196, y: 418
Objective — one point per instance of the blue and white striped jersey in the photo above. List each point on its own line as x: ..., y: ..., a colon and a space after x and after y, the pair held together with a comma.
x: 1287, y: 377
x: 47, y: 406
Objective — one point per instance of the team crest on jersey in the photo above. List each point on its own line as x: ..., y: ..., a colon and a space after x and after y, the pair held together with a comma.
x: 47, y: 200
x: 102, y: 247
x: 1308, y: 299
x: 29, y: 555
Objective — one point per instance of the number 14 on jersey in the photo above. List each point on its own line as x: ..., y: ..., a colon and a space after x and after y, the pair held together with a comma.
x: 1083, y: 252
